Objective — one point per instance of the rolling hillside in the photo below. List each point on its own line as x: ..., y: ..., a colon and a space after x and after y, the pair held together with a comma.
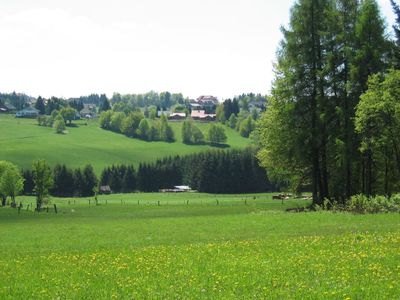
x: 22, y: 141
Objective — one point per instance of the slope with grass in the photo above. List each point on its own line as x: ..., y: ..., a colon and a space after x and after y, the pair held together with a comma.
x: 22, y: 140
x: 196, y: 246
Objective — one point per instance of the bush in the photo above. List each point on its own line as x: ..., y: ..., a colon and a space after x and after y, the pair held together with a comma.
x: 378, y: 204
x: 191, y: 134
x: 216, y: 134
x: 105, y: 120
x: 361, y: 204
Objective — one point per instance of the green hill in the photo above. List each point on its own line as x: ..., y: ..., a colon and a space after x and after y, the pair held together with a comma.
x: 22, y: 141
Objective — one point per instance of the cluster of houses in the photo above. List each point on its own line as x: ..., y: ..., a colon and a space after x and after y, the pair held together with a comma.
x: 88, y: 112
x: 7, y: 108
x: 198, y: 115
x: 200, y: 110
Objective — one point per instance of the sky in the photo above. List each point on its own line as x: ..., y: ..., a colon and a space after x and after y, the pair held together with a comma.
x: 69, y: 48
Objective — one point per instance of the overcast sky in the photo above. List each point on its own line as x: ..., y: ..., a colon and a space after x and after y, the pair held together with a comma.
x: 68, y: 48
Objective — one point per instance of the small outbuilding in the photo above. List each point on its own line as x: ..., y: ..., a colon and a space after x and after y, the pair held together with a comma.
x: 105, y: 190
x: 177, y: 189
x: 177, y: 116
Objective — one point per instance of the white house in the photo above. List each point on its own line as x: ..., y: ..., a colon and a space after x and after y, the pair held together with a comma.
x: 202, y: 116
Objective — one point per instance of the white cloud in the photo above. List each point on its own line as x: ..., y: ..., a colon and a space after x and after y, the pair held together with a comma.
x: 69, y: 48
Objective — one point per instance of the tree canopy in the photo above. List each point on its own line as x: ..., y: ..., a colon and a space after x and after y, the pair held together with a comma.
x: 307, y: 135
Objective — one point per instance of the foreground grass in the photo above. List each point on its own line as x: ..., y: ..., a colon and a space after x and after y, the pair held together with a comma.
x: 22, y: 141
x: 243, y: 246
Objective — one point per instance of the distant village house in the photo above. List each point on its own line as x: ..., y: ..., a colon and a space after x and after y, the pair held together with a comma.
x: 201, y: 115
x: 177, y: 189
x: 27, y: 112
x: 177, y: 116
x: 7, y: 108
x: 105, y: 190
x: 88, y: 111
x: 207, y: 103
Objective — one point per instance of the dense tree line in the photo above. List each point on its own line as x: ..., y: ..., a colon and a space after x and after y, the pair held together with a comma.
x: 19, y: 101
x: 65, y: 182
x: 308, y: 133
x: 235, y: 171
x: 162, y: 174
x: 134, y: 124
x: 121, y: 179
x: 95, y: 99
x: 162, y: 100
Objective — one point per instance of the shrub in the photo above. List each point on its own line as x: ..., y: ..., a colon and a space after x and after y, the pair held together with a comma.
x: 216, y: 134
x: 378, y: 204
x: 59, y: 126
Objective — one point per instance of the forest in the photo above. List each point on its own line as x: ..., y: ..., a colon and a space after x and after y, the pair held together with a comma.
x: 333, y: 117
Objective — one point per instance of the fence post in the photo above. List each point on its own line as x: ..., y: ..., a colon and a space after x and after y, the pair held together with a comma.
x: 55, y: 208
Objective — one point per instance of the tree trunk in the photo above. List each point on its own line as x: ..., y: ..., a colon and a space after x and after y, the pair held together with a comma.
x: 386, y: 177
x: 369, y: 173
x: 316, y: 182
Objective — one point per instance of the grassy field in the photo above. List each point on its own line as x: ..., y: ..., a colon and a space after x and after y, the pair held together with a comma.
x: 196, y: 246
x: 22, y: 141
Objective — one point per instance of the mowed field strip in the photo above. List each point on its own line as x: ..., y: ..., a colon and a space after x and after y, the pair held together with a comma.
x: 197, y: 246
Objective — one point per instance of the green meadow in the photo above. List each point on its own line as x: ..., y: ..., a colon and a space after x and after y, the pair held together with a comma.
x: 195, y: 246
x: 22, y: 141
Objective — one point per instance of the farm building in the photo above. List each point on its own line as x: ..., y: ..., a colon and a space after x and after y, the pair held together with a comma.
x: 201, y: 115
x: 3, y: 108
x: 27, y: 112
x: 88, y: 111
x: 105, y: 189
x: 177, y: 116
x: 204, y: 102
x: 177, y: 189
x: 7, y: 108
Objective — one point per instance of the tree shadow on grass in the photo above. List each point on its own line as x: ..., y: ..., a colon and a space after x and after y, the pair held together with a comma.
x: 215, y: 145
x: 221, y: 146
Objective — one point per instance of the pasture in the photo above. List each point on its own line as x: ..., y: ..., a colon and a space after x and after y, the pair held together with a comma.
x: 22, y: 141
x: 196, y: 246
